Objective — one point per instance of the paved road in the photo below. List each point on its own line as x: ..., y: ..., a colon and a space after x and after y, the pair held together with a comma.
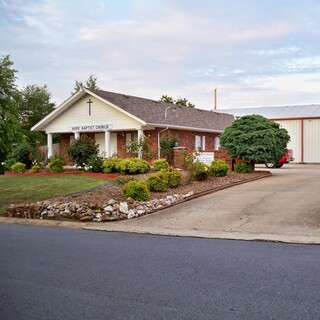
x: 284, y: 207
x: 53, y: 273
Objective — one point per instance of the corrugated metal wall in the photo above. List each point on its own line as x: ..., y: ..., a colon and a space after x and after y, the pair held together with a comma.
x: 311, y: 140
x: 294, y: 129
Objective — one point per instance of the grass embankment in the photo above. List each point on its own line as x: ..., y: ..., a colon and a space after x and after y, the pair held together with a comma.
x: 16, y: 190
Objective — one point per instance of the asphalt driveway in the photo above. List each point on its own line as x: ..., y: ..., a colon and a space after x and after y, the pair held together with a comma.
x: 284, y: 207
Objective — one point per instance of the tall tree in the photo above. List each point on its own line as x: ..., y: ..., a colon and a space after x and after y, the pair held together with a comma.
x: 90, y: 83
x: 9, y: 130
x: 256, y: 139
x: 184, y: 102
x: 181, y: 101
x: 34, y: 105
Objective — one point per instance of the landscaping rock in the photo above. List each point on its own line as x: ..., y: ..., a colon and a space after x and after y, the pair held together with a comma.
x: 124, y: 207
x: 86, y: 218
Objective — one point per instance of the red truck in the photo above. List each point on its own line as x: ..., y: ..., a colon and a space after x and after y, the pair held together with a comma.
x: 286, y: 158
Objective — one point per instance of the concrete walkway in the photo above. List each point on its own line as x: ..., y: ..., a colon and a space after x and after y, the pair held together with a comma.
x: 284, y: 207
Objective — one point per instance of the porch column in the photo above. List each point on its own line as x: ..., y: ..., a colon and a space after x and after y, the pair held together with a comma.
x: 49, y: 145
x: 140, y: 139
x: 107, y: 143
x: 77, y: 135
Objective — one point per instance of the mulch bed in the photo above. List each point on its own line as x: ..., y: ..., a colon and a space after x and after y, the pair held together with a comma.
x: 68, y: 172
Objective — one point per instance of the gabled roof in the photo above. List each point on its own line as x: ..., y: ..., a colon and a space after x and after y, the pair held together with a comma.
x: 285, y: 112
x: 149, y: 112
x: 159, y: 113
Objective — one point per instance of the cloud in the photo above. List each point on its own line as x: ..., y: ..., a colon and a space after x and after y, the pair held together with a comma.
x: 176, y: 47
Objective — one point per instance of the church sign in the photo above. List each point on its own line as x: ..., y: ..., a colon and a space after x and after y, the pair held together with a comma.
x: 91, y: 127
x: 204, y: 157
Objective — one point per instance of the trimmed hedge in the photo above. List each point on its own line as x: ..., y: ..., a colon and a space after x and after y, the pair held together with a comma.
x: 243, y: 167
x: 160, y: 164
x: 157, y: 182
x: 218, y: 168
x: 18, y: 167
x: 134, y: 166
x: 137, y: 190
x: 200, y: 171
x: 172, y: 176
x: 56, y: 164
x: 111, y: 165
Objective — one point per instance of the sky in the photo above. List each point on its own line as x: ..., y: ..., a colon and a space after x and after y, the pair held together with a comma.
x: 255, y: 52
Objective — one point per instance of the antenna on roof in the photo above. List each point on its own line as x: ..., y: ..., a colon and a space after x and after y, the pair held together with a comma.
x: 215, y: 100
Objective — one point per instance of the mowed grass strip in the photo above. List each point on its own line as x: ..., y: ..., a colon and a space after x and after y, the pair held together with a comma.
x: 24, y: 189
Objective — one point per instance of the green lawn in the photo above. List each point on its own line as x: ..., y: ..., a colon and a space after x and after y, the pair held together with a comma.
x: 15, y: 189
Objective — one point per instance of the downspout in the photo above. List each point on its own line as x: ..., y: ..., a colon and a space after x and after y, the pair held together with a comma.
x: 302, y: 141
x: 159, y: 140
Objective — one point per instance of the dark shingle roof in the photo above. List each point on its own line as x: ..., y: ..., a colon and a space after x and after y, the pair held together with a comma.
x: 153, y: 112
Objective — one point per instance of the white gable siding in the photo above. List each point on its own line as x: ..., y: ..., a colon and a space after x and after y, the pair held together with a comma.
x: 101, y: 113
x: 294, y: 129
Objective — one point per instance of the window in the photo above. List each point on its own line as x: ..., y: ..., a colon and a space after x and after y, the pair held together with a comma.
x: 128, y: 138
x: 200, y: 142
x: 216, y: 143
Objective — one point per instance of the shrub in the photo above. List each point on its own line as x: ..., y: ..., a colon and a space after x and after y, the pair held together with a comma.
x: 173, y: 177
x: 243, y: 167
x: 125, y: 179
x: 111, y: 165
x: 167, y: 142
x: 160, y: 164
x: 20, y: 153
x: 200, y: 171
x: 134, y: 166
x: 143, y: 145
x: 95, y: 163
x: 218, y: 168
x: 157, y: 182
x: 137, y: 190
x: 35, y: 168
x: 56, y: 164
x: 82, y: 150
x: 18, y: 167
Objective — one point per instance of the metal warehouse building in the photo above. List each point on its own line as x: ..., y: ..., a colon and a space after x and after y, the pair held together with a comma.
x: 302, y: 123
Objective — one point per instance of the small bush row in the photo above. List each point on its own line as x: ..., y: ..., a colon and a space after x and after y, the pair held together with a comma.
x: 201, y: 171
x: 55, y: 165
x: 126, y: 166
x: 166, y: 177
x: 158, y: 182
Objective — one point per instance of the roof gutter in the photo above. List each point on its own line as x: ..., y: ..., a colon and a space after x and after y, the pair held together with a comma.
x: 182, y: 127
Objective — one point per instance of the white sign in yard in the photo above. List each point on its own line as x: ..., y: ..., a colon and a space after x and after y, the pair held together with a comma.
x: 204, y: 157
x: 91, y: 127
